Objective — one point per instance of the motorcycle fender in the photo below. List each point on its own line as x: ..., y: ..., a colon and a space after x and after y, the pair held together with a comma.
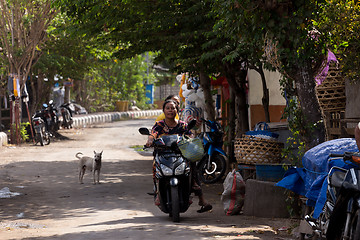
x: 37, y: 129
x: 219, y: 150
x: 174, y: 182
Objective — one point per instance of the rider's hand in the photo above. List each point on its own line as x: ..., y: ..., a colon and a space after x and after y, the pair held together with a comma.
x: 150, y: 141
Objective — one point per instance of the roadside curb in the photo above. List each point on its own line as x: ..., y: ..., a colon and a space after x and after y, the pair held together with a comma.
x: 81, y: 121
x: 95, y: 118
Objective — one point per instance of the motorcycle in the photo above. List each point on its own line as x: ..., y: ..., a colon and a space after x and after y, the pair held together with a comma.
x: 55, y: 122
x: 340, y: 218
x: 212, y: 166
x: 173, y: 174
x: 66, y: 114
x: 42, y: 136
x: 50, y: 116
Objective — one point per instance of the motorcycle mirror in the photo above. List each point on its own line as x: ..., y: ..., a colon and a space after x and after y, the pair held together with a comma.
x: 144, y: 131
x: 192, y: 124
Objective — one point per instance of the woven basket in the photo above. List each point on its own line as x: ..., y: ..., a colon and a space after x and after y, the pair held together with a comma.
x: 255, y: 150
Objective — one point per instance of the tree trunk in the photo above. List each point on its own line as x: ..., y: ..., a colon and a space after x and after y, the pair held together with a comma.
x: 209, y: 102
x: 265, y: 98
x: 231, y: 128
x: 237, y: 81
x: 305, y: 87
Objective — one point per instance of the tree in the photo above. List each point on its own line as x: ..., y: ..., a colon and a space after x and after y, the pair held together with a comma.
x: 114, y: 80
x: 65, y: 55
x: 23, y: 26
x: 291, y: 46
x: 175, y: 30
x: 339, y: 21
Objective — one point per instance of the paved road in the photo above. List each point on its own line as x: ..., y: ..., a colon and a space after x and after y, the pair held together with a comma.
x: 53, y: 205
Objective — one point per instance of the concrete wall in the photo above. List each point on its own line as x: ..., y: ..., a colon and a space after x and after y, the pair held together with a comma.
x: 277, y: 101
x: 273, y: 84
x: 352, y: 90
x: 264, y: 199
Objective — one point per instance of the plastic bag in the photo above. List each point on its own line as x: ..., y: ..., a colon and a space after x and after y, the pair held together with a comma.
x: 234, y: 193
x: 262, y: 130
x: 191, y: 148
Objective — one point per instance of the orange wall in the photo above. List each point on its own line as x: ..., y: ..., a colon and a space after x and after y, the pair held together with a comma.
x: 257, y: 114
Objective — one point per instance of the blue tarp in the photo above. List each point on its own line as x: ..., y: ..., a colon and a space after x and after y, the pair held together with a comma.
x: 310, y: 180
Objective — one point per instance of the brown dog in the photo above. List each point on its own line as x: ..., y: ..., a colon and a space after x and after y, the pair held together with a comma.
x: 91, y: 164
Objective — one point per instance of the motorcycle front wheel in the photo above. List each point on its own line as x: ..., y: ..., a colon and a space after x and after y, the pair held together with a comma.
x: 355, y: 226
x: 175, y: 204
x: 214, y: 172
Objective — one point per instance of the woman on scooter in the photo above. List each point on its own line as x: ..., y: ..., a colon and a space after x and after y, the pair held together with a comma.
x: 171, y: 125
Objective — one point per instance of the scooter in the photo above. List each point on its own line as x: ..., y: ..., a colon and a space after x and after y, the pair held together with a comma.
x: 340, y: 218
x: 42, y: 136
x: 212, y: 166
x: 173, y: 174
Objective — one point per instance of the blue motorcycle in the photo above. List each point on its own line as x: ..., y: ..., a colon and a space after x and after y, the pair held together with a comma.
x: 212, y: 166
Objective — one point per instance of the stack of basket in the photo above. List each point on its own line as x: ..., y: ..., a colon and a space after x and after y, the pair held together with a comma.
x: 331, y: 92
x: 332, y: 100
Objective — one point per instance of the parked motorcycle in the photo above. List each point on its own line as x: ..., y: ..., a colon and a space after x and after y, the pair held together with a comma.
x: 340, y: 218
x: 42, y: 136
x: 172, y: 173
x: 66, y: 114
x: 55, y: 122
x: 212, y: 166
x: 50, y: 116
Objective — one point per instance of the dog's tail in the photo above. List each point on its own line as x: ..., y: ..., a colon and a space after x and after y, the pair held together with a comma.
x: 76, y: 155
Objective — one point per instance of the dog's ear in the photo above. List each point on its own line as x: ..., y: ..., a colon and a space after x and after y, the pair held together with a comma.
x: 94, y: 152
x: 101, y: 152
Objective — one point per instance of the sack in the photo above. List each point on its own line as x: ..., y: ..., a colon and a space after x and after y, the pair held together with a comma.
x: 234, y: 193
x: 191, y: 148
x: 262, y: 130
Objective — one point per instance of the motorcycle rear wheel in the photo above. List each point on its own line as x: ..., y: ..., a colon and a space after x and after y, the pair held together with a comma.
x: 175, y: 204
x: 46, y: 138
x: 40, y: 139
x: 216, y: 170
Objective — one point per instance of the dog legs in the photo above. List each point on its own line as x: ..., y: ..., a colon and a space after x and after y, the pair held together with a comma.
x: 81, y: 174
x: 96, y: 176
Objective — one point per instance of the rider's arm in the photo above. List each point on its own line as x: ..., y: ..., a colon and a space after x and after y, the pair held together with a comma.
x: 155, y: 132
x: 150, y: 140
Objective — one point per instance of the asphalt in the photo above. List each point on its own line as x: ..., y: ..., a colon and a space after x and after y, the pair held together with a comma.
x: 85, y: 120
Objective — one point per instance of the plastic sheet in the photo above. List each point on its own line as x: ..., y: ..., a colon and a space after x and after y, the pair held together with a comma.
x: 310, y: 181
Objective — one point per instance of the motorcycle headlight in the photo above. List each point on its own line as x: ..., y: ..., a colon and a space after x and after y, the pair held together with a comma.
x: 166, y: 170
x: 180, y: 169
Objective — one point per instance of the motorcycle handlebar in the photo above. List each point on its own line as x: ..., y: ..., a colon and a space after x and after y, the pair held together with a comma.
x: 336, y: 155
x: 346, y: 155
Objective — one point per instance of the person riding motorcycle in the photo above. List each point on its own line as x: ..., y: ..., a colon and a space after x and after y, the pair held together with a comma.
x: 172, y: 97
x: 171, y: 125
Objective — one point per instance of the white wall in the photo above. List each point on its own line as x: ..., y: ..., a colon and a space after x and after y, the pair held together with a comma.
x: 255, y: 88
